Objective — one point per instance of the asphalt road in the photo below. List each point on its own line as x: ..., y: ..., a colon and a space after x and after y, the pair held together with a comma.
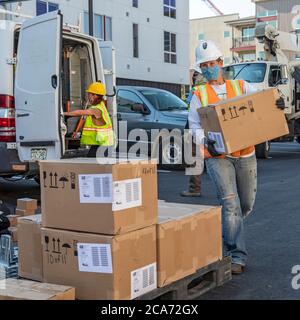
x: 273, y: 229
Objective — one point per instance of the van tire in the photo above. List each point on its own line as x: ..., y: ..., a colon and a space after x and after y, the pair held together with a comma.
x: 171, y: 155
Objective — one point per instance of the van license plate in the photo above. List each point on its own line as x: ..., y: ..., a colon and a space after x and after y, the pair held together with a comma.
x: 38, y: 154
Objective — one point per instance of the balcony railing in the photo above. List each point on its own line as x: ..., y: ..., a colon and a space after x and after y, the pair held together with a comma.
x: 244, y: 42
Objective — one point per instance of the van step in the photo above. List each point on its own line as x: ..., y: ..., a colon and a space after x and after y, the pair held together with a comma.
x: 193, y: 286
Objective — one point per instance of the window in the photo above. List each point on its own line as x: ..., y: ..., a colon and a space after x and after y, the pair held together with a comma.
x: 164, y: 100
x: 170, y: 8
x: 248, y: 33
x: 43, y: 7
x: 170, y: 47
x: 264, y: 14
x: 102, y: 26
x: 249, y: 57
x: 226, y: 34
x: 108, y: 28
x: 135, y: 33
x: 253, y: 73
x: 98, y: 27
x: 135, y: 3
x: 201, y: 36
x: 274, y: 76
x: 126, y: 100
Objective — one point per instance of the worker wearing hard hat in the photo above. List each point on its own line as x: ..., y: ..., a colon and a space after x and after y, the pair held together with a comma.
x: 234, y: 175
x: 97, y: 127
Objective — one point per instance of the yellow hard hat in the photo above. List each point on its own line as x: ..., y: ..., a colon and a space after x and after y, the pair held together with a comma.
x: 97, y: 88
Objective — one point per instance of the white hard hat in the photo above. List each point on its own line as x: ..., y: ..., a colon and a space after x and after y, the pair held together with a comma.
x: 207, y: 51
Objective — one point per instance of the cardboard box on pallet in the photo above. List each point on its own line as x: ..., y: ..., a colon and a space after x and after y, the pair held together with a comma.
x: 12, y: 289
x: 106, y: 198
x: 244, y: 121
x: 101, y: 267
x: 27, y: 204
x: 30, y: 248
x: 189, y: 237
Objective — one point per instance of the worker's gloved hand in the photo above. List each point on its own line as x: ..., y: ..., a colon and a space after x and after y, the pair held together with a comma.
x: 210, y: 144
x: 280, y: 103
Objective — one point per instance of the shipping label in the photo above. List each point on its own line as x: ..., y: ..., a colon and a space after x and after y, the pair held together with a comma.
x: 143, y: 280
x: 219, y: 145
x: 127, y: 194
x: 95, y: 188
x: 94, y: 258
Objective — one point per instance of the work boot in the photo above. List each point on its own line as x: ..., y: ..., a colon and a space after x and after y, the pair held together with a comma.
x: 237, y: 269
x: 195, y: 187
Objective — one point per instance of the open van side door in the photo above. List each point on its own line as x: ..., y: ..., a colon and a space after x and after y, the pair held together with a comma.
x: 37, y: 88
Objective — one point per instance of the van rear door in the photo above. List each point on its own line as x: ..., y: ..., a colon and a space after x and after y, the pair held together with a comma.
x: 37, y: 88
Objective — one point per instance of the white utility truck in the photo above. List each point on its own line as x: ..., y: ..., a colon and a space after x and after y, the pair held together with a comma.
x: 45, y: 69
x: 278, y: 70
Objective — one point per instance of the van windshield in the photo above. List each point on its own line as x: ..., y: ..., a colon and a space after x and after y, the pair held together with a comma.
x: 250, y: 72
x: 164, y: 100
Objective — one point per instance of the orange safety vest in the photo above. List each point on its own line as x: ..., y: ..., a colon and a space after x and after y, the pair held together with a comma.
x: 207, y: 96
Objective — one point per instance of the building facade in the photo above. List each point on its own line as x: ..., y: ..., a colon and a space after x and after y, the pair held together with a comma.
x: 151, y: 38
x: 243, y: 39
x: 283, y: 15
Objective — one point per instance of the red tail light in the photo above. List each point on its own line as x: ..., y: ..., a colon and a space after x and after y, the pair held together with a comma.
x: 7, y: 101
x: 7, y: 119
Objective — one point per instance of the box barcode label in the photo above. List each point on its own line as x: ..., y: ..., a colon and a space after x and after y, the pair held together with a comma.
x: 95, y: 188
x: 94, y: 258
x: 217, y: 136
x: 127, y: 194
x: 143, y: 280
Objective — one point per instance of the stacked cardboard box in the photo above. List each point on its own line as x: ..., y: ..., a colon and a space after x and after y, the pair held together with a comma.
x: 189, y: 237
x: 26, y: 207
x: 12, y: 289
x: 30, y: 247
x: 99, y: 226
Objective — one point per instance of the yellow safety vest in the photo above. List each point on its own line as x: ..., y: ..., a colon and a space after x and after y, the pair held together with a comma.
x: 98, y: 135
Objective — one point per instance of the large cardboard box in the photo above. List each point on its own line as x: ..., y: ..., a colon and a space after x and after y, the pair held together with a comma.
x: 30, y: 248
x: 106, y: 198
x: 12, y: 289
x: 244, y: 121
x: 101, y: 267
x: 189, y: 237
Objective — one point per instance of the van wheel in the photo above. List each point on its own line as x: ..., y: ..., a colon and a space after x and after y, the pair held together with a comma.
x: 263, y: 150
x: 171, y: 154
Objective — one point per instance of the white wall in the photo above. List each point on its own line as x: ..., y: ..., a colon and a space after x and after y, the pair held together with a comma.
x: 151, y: 36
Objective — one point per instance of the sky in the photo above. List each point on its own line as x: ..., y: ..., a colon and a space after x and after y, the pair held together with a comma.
x: 198, y: 8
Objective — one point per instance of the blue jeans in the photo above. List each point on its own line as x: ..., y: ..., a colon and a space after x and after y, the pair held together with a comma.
x: 236, y: 184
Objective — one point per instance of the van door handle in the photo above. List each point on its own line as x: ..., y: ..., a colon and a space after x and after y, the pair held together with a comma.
x: 54, y: 81
x: 23, y: 115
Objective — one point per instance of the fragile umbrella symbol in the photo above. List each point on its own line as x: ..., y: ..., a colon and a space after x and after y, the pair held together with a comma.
x: 66, y: 246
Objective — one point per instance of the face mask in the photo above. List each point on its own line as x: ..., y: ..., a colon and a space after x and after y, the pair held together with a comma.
x: 211, y: 73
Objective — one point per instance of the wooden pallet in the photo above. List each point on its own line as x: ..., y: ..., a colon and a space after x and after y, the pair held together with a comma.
x: 192, y: 287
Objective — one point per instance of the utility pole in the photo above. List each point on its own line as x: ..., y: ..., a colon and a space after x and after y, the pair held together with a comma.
x: 91, y: 17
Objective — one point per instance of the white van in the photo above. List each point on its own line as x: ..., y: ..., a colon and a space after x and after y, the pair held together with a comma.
x: 45, y: 70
